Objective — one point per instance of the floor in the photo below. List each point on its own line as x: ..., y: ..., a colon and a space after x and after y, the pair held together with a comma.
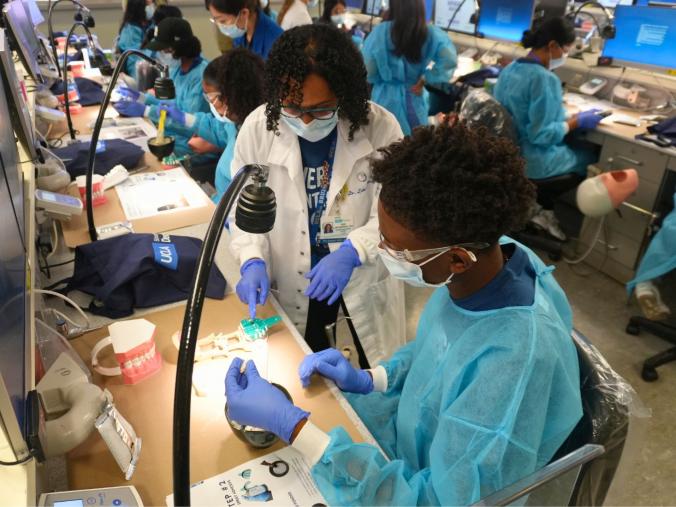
x: 648, y: 466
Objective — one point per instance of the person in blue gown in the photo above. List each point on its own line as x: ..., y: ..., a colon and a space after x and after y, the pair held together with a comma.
x: 233, y: 86
x: 490, y: 388
x: 246, y: 24
x: 533, y: 95
x: 658, y: 260
x: 137, y: 16
x: 401, y: 55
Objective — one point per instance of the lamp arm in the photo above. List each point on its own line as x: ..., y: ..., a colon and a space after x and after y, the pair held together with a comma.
x: 97, y: 130
x: 69, y: 120
x: 51, y: 29
x: 191, y: 324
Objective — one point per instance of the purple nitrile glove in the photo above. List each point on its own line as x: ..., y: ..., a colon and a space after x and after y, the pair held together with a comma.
x: 131, y: 109
x: 174, y: 113
x: 253, y: 401
x: 129, y: 94
x: 331, y: 274
x: 589, y: 119
x: 254, y: 285
x: 331, y: 363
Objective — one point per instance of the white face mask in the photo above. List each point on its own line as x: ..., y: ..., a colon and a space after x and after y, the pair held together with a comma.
x: 410, y: 273
x: 264, y: 3
x: 555, y: 63
x: 150, y: 10
x: 220, y: 117
x: 314, y: 131
x: 167, y: 59
x: 232, y: 31
x: 338, y: 19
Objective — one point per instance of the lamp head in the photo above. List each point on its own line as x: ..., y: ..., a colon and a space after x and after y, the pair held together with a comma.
x: 164, y: 86
x: 84, y: 15
x: 257, y: 205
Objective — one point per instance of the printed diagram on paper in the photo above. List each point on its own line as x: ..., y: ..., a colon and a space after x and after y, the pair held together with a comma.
x: 279, y: 478
x: 151, y: 194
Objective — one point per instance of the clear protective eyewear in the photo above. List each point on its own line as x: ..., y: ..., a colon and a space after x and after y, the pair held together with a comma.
x: 319, y: 113
x: 418, y: 255
x: 212, y: 97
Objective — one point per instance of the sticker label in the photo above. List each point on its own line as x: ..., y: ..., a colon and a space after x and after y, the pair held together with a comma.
x: 165, y: 252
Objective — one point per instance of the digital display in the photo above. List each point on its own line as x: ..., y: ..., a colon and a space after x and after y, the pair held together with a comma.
x: 444, y: 11
x: 505, y: 19
x: 645, y: 36
x: 374, y: 7
x: 354, y: 4
x: 70, y: 503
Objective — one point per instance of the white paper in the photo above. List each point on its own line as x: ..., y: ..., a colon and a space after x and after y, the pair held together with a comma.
x: 158, y: 193
x: 279, y: 478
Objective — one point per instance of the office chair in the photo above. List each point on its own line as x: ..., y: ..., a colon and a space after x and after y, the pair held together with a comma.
x: 664, y: 331
x: 581, y: 471
x: 481, y: 109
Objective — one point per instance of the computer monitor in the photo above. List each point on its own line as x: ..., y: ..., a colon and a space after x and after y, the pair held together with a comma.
x: 354, y: 4
x: 23, y: 37
x: 34, y: 12
x: 646, y: 37
x: 505, y: 20
x: 14, y: 91
x: 374, y: 7
x: 14, y: 347
x: 462, y: 9
x: 611, y: 4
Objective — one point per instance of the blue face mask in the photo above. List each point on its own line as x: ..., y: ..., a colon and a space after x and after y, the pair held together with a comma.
x: 220, y: 117
x: 314, y: 131
x: 150, y: 10
x: 232, y: 31
x: 167, y: 59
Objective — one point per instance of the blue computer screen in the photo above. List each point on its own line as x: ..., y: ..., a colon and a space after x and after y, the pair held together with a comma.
x: 354, y: 4
x: 505, y: 19
x: 444, y: 11
x: 645, y: 36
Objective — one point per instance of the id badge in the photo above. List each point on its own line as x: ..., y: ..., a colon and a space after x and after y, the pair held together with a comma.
x: 334, y: 229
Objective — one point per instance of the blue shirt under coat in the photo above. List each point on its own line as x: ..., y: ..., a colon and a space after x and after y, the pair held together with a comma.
x: 264, y: 36
x: 393, y: 76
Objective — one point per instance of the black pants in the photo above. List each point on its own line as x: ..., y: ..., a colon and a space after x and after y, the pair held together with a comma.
x: 319, y: 315
x: 547, y: 193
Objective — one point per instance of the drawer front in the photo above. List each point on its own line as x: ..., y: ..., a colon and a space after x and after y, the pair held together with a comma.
x: 630, y: 223
x: 617, y: 154
x: 622, y: 249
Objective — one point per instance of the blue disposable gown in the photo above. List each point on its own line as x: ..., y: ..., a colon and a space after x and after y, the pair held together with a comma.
x: 189, y: 99
x: 131, y: 37
x: 265, y: 35
x: 533, y: 96
x: 477, y: 401
x: 660, y: 257
x: 393, y: 76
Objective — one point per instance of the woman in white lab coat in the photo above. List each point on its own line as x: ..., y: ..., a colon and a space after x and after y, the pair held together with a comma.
x: 295, y: 13
x: 318, y: 132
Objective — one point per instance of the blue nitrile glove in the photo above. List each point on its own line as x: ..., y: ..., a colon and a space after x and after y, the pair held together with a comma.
x: 131, y: 109
x: 174, y: 113
x: 588, y: 119
x: 331, y: 363
x: 253, y: 401
x: 331, y: 274
x: 129, y: 94
x: 254, y: 285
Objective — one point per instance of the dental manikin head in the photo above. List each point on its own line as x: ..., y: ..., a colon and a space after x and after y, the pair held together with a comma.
x: 448, y: 194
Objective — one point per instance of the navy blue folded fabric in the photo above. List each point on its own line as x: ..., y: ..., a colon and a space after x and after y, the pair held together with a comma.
x: 91, y: 93
x: 111, y: 152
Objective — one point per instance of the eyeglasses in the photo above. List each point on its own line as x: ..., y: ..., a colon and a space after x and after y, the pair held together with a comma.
x: 212, y: 97
x: 418, y: 255
x: 319, y: 113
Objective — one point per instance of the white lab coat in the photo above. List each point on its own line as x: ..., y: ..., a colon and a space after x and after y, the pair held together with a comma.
x: 297, y: 15
x: 374, y: 299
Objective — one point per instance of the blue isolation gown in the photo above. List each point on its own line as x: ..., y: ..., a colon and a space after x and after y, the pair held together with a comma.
x: 533, y: 96
x: 265, y: 35
x: 480, y: 399
x: 393, y: 76
x: 131, y: 37
x: 660, y: 257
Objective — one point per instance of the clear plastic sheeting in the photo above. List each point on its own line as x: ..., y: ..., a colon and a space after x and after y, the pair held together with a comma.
x: 480, y: 108
x: 608, y: 403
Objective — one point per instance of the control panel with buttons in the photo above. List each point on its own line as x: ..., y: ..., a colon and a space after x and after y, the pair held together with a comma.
x: 121, y: 496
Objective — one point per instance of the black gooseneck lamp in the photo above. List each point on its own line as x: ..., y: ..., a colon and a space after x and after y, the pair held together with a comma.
x: 83, y: 15
x: 608, y: 31
x: 255, y: 214
x: 90, y: 41
x: 164, y: 90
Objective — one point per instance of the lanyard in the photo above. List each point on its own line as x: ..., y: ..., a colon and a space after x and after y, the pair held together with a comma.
x: 323, y: 193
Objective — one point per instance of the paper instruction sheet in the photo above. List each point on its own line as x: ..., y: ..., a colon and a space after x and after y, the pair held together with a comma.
x: 156, y: 193
x: 279, y: 478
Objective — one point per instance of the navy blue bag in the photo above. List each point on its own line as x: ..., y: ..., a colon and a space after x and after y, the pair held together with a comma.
x: 139, y: 271
x: 112, y: 152
x: 91, y: 93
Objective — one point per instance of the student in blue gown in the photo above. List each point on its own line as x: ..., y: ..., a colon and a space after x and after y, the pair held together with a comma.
x: 401, y: 55
x: 137, y: 16
x: 489, y: 389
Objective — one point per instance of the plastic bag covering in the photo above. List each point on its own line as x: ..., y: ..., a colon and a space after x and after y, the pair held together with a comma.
x: 608, y: 401
x: 50, y: 345
x: 480, y: 108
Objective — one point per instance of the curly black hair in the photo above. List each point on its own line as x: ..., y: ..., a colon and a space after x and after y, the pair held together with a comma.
x: 321, y: 50
x: 455, y: 184
x: 238, y: 75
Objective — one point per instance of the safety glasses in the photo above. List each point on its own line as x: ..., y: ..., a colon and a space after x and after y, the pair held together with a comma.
x: 418, y: 255
x: 319, y: 113
x: 212, y: 97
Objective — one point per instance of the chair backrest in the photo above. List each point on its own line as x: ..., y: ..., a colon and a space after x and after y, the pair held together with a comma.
x: 480, y: 108
x: 583, y: 468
